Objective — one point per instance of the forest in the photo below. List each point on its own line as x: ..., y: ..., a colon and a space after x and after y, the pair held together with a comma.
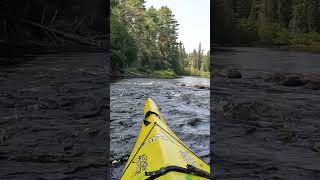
x: 146, y: 40
x: 267, y: 22
x: 47, y: 23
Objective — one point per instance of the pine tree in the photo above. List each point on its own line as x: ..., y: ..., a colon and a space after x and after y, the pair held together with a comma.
x: 200, y: 56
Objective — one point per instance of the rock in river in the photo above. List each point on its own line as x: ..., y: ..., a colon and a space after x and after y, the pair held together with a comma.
x: 293, y: 81
x: 234, y: 74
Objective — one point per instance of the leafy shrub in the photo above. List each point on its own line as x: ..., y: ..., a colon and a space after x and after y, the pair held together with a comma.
x: 273, y: 33
x: 305, y: 38
x: 248, y: 31
x: 300, y: 38
x: 168, y: 73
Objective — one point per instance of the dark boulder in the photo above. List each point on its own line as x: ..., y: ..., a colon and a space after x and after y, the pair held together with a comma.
x: 201, y: 86
x: 234, y: 74
x: 293, y: 81
x: 314, y: 85
x: 277, y: 77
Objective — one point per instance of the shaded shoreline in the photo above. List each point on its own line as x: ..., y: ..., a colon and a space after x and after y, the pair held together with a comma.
x: 296, y: 47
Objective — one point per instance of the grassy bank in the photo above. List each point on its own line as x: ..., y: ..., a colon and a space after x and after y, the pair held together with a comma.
x: 166, y: 73
x: 274, y: 34
x: 169, y: 73
x: 302, y: 47
x: 198, y: 73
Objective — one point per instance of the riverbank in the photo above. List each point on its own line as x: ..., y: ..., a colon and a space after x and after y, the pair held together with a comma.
x: 118, y: 73
x: 314, y: 48
x: 12, y: 50
x: 266, y: 121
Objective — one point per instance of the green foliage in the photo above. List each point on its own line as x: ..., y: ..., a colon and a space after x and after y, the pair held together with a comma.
x: 273, y: 33
x: 197, y: 63
x: 123, y: 47
x: 302, y: 20
x: 271, y: 22
x: 248, y: 30
x: 146, y: 40
x: 168, y: 73
x: 305, y: 38
x: 195, y: 72
x: 206, y: 62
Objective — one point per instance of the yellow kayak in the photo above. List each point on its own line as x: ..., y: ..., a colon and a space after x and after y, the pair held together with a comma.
x: 160, y: 154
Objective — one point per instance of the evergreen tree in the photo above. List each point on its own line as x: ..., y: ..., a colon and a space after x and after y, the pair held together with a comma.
x: 266, y: 21
x: 200, y: 56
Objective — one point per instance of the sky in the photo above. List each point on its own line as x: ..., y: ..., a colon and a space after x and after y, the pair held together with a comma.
x: 194, y: 19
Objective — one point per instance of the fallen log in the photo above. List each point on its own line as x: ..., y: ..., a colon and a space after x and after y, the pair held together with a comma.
x: 65, y: 35
x: 129, y: 72
x: 35, y: 43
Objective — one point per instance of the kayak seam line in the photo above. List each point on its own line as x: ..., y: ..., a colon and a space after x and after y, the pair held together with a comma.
x: 175, y: 138
x: 138, y: 150
x: 181, y: 143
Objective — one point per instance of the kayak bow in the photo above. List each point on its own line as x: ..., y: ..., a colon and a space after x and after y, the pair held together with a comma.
x: 159, y: 153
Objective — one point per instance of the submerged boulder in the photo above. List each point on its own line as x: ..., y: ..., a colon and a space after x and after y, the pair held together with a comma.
x: 201, y: 86
x: 314, y: 85
x: 180, y: 84
x: 277, y: 77
x: 283, y: 79
x: 293, y: 81
x: 233, y: 74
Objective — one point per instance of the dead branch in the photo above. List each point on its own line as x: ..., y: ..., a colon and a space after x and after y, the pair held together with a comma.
x: 54, y: 16
x: 65, y: 35
x: 43, y: 14
x: 129, y: 72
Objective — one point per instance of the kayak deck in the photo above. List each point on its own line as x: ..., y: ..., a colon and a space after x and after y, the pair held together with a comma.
x: 160, y: 154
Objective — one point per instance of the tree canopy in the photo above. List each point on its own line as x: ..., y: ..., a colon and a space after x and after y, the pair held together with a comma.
x: 266, y: 21
x: 147, y: 38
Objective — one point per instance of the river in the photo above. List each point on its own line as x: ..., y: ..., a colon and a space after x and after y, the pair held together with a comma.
x: 269, y: 60
x: 185, y: 108
x: 53, y: 116
x: 264, y: 129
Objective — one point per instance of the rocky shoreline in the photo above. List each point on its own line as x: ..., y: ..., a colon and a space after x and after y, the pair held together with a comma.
x: 309, y: 81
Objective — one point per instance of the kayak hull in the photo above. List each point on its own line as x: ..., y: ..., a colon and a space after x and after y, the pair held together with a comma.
x: 158, y: 147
